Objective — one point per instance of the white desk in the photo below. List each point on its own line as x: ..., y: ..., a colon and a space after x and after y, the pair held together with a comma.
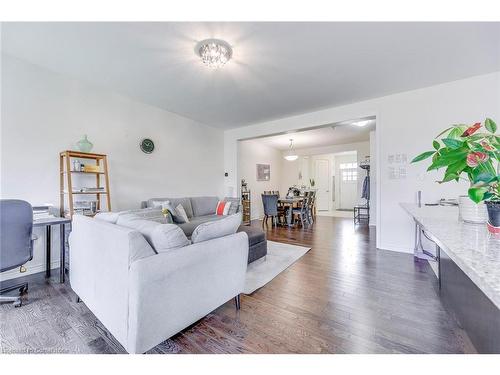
x: 48, y: 223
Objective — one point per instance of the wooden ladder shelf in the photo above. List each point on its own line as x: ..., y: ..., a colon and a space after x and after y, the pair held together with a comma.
x: 67, y: 188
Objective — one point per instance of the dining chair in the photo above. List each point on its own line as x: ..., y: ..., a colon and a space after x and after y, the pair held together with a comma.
x: 270, y: 203
x: 310, y: 207
x: 302, y: 212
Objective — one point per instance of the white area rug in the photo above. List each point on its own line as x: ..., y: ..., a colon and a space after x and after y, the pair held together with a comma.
x: 279, y: 257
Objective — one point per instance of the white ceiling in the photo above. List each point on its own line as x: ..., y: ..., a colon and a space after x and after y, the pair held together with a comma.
x: 326, y: 136
x: 277, y: 70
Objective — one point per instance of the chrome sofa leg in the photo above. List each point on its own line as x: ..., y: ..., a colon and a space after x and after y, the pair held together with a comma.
x: 237, y: 302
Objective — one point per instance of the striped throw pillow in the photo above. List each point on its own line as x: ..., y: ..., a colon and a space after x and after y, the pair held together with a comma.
x: 222, y: 208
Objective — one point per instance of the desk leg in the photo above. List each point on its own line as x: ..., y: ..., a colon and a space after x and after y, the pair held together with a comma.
x: 48, y: 232
x: 62, y: 256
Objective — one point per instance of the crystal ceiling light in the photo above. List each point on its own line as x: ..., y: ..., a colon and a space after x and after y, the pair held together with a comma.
x: 214, y: 52
x: 291, y: 155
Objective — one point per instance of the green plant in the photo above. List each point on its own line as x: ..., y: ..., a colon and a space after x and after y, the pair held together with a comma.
x: 312, y: 182
x: 466, y: 152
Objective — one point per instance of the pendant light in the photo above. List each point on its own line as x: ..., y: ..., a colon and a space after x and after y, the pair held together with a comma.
x: 291, y: 155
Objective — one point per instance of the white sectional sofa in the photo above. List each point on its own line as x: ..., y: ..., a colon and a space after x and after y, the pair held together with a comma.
x: 142, y: 296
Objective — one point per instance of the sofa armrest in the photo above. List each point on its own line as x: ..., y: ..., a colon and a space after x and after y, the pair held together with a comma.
x: 100, y: 257
x: 172, y: 290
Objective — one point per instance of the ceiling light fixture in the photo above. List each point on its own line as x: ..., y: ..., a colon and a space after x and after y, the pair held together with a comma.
x: 214, y: 53
x: 291, y: 155
x: 361, y: 123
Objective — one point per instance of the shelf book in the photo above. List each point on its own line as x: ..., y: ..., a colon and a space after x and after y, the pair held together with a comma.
x: 81, y: 167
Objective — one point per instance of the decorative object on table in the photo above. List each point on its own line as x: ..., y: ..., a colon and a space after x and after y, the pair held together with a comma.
x: 312, y: 182
x: 92, y: 190
x: 147, y: 146
x: 245, y: 203
x: 91, y: 168
x: 244, y: 186
x: 263, y: 172
x: 472, y: 212
x: 68, y: 191
x: 84, y: 145
x: 291, y: 155
x: 42, y: 212
x: 77, y: 166
x: 466, y: 152
x: 448, y: 202
x: 85, y: 207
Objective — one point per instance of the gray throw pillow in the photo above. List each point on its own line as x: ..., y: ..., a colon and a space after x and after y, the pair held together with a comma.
x: 215, y: 229
x: 182, y: 215
x: 235, y: 205
x: 173, y: 213
x: 162, y: 237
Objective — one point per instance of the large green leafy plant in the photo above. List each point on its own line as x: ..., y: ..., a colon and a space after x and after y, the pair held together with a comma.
x: 469, y: 154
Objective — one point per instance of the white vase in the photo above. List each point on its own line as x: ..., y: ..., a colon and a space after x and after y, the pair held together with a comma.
x: 472, y: 212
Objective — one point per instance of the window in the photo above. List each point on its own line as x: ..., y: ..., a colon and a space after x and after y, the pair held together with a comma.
x: 349, y: 171
x: 348, y: 165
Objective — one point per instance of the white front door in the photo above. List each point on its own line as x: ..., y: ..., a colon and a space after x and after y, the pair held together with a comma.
x: 348, y: 181
x: 322, y: 177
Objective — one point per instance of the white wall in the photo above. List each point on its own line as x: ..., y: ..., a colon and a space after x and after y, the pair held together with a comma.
x: 406, y: 123
x: 44, y: 113
x: 251, y: 153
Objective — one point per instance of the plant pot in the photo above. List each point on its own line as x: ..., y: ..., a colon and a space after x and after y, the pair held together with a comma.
x: 493, y: 217
x: 472, y: 212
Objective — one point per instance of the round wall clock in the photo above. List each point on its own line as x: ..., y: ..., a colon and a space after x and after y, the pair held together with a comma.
x: 147, y: 146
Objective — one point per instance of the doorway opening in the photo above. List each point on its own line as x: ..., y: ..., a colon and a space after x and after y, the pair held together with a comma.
x: 325, y: 159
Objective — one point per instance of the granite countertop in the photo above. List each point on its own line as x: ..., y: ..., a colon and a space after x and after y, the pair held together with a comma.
x: 470, y: 246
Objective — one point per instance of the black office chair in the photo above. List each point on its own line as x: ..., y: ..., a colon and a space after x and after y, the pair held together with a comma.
x: 16, y: 242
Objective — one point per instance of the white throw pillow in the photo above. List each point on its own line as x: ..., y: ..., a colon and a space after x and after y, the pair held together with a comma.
x: 215, y: 229
x: 162, y: 237
x: 182, y: 213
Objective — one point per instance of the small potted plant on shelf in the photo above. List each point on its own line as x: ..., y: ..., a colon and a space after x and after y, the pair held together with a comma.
x: 473, y: 155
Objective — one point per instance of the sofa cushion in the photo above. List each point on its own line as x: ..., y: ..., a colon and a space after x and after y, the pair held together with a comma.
x: 204, y: 205
x: 162, y: 237
x: 188, y: 228
x: 235, y: 205
x: 215, y: 229
x: 186, y: 203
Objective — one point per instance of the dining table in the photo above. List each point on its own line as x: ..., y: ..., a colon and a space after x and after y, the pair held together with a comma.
x: 290, y: 202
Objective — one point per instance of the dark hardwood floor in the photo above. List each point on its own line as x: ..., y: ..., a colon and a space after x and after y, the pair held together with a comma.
x: 343, y: 296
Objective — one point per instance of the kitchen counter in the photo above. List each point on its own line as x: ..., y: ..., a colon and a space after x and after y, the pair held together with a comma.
x: 470, y: 246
